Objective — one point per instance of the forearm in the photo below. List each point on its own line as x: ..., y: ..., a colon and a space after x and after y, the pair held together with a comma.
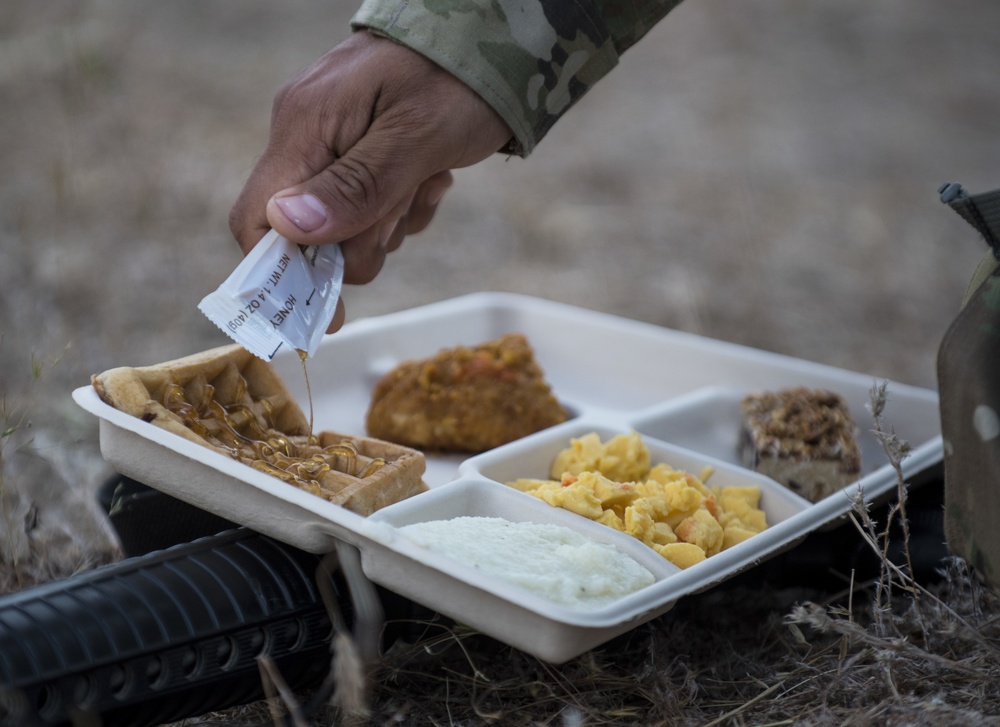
x: 531, y: 60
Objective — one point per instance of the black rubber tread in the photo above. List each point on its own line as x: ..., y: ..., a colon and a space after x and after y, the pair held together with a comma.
x: 163, y: 636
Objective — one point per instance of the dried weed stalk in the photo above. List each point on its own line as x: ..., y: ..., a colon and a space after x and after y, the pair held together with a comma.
x: 15, y: 422
x: 343, y: 697
x: 934, y: 650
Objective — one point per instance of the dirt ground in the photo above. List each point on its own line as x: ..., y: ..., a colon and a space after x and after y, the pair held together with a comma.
x: 758, y: 171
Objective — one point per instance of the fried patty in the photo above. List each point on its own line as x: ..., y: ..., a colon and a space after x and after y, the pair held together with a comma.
x: 465, y: 399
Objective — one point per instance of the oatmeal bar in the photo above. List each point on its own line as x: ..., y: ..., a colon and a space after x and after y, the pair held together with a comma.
x: 803, y: 438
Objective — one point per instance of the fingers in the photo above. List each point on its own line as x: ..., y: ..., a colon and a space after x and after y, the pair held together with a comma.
x: 359, y: 151
x: 365, y: 253
x: 283, y: 164
x: 357, y: 133
x: 392, y: 228
x: 339, y: 316
x: 360, y: 188
x: 316, y: 115
x: 426, y: 200
x: 248, y: 219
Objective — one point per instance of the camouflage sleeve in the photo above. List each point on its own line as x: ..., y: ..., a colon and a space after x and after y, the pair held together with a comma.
x: 531, y: 60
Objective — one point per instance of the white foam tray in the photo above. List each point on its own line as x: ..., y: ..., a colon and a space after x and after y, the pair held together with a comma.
x: 680, y: 391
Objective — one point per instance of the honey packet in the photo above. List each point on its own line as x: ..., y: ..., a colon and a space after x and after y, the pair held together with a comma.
x: 281, y: 294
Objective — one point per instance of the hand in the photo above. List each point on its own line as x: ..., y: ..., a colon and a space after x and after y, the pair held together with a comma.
x: 359, y: 153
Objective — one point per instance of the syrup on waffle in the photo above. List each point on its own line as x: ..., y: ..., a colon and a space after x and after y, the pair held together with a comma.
x: 236, y: 404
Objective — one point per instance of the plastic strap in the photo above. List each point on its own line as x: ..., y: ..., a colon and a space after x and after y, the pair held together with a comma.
x: 982, y: 211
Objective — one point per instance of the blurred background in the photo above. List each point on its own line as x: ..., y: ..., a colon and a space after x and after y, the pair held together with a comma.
x: 758, y: 171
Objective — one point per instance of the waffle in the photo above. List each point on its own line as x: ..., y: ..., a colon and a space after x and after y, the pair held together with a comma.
x: 232, y: 402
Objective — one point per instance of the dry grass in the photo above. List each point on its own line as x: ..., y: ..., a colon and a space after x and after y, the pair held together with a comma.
x: 40, y: 540
x: 758, y: 171
x: 778, y: 658
x: 889, y: 652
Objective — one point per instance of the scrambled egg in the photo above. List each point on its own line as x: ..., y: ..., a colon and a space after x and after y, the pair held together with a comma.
x: 671, y: 511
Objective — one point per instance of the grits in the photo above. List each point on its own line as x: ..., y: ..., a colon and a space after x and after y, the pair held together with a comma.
x: 551, y: 561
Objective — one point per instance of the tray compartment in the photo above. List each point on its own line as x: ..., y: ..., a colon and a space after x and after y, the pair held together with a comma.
x: 709, y: 422
x: 519, y: 617
x: 532, y: 458
x: 348, y: 364
x: 787, y: 513
x: 476, y: 497
x: 218, y: 484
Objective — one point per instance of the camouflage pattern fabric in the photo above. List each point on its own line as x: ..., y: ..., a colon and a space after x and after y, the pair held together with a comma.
x: 969, y: 390
x: 531, y: 60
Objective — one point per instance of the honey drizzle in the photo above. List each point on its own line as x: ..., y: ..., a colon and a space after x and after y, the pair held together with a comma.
x: 236, y: 428
x: 374, y: 466
x: 303, y: 355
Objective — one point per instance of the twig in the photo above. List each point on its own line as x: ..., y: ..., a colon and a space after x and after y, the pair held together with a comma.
x: 272, y: 680
x: 743, y: 707
x: 819, y: 619
x: 13, y: 419
x: 896, y: 450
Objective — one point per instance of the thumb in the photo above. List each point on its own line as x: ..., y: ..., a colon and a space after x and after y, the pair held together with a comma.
x: 351, y: 195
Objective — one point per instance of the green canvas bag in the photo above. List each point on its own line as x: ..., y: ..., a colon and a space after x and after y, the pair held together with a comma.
x: 968, y: 369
